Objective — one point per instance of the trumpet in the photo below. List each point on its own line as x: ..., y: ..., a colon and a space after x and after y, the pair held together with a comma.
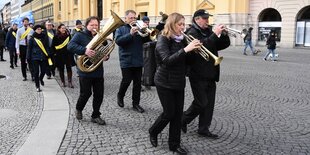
x: 144, y: 31
x: 232, y: 32
x: 203, y: 51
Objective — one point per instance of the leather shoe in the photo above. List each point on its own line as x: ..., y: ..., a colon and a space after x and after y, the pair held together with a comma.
x: 25, y: 79
x: 180, y: 150
x: 153, y: 140
x: 120, y: 101
x: 78, y: 114
x: 184, y: 127
x: 209, y: 135
x: 98, y: 120
x: 138, y: 108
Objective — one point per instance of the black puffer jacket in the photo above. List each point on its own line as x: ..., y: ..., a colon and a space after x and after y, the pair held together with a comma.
x: 200, y: 69
x: 171, y: 61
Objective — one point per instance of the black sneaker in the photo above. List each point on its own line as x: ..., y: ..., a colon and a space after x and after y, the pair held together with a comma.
x: 98, y: 120
x: 78, y: 114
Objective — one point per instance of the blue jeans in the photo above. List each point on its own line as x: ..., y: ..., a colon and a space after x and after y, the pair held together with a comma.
x: 270, y: 51
x: 248, y: 43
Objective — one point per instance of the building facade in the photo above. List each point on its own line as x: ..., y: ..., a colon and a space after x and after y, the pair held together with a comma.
x: 42, y: 10
x: 6, y: 14
x: 16, y: 8
x: 290, y: 18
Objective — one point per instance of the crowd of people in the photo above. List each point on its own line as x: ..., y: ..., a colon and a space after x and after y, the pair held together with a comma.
x: 41, y: 49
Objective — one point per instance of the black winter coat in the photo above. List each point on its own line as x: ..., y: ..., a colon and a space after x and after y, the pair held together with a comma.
x: 271, y: 42
x: 200, y: 69
x: 34, y: 52
x: 171, y: 61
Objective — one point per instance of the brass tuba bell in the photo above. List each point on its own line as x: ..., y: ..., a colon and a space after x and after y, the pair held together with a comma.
x: 98, y: 44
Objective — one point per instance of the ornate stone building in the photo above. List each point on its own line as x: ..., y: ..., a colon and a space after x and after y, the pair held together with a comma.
x: 289, y: 18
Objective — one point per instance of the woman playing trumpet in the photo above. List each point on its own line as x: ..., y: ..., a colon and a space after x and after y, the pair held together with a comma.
x: 171, y: 52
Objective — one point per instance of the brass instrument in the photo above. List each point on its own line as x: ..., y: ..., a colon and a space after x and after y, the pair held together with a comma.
x: 101, y: 44
x: 144, y: 31
x: 203, y: 51
x: 232, y: 32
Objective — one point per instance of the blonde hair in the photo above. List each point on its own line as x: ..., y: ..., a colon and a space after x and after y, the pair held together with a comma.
x: 170, y: 26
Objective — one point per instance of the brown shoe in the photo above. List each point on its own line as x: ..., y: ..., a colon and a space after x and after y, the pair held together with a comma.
x: 78, y: 114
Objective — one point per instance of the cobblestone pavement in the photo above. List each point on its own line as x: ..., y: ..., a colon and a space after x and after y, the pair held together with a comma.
x: 20, y: 108
x: 261, y: 108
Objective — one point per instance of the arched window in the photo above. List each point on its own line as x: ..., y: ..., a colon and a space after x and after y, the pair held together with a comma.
x: 303, y: 27
x: 269, y: 19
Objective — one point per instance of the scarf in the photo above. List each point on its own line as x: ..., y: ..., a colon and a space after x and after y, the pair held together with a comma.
x: 177, y: 38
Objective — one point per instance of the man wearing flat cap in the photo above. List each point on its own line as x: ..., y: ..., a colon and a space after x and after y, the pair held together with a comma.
x: 203, y: 74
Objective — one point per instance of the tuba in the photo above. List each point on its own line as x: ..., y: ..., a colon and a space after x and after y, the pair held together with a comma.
x: 101, y: 44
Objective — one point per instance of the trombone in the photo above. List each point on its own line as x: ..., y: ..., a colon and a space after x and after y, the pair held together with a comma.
x: 203, y: 51
x: 144, y: 31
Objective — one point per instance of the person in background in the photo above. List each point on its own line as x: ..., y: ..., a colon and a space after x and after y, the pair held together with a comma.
x: 171, y: 53
x: 21, y: 45
x: 78, y: 27
x: 131, y: 59
x: 10, y: 45
x: 50, y: 32
x: 162, y: 22
x: 271, y: 45
x: 248, y: 42
x: 38, y: 53
x: 62, y: 55
x: 146, y: 21
x: 2, y: 42
x: 90, y: 82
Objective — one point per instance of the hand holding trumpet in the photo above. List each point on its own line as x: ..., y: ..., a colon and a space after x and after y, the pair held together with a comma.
x: 194, y: 44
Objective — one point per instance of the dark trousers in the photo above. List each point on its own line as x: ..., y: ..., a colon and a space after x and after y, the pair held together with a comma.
x: 1, y: 52
x: 87, y: 86
x: 22, y: 56
x: 13, y: 57
x: 203, y: 104
x: 131, y: 74
x: 38, y: 68
x: 172, y: 102
x: 50, y: 70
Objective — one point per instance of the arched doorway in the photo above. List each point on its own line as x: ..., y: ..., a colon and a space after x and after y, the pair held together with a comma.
x: 269, y: 19
x: 303, y: 27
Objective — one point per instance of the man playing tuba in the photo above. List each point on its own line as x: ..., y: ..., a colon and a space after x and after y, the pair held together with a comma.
x: 90, y: 82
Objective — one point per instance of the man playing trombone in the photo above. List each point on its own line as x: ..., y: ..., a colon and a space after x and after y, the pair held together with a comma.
x: 204, y: 74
